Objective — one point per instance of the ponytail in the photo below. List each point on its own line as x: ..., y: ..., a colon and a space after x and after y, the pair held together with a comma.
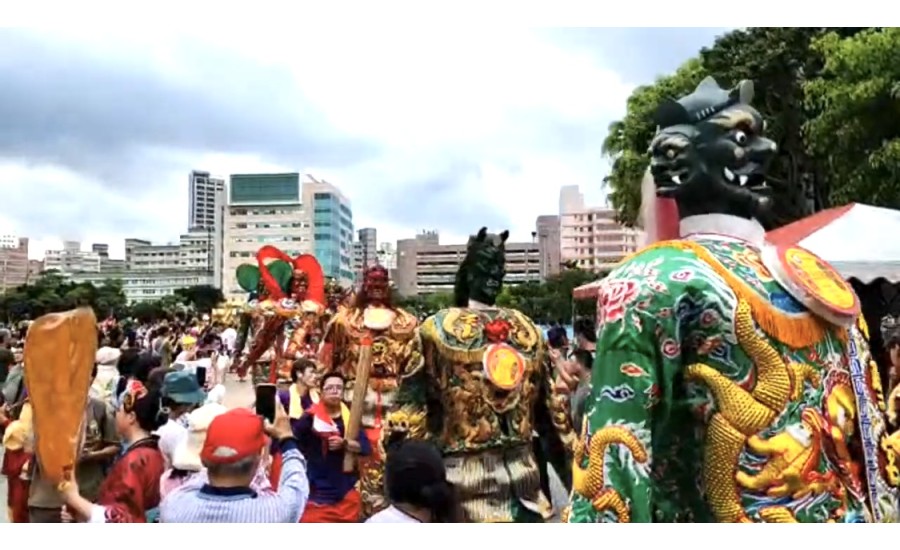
x: 442, y: 500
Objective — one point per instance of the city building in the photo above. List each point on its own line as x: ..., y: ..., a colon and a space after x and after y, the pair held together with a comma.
x: 387, y: 255
x: 590, y: 237
x: 194, y: 252
x: 424, y: 266
x: 548, y: 240
x: 72, y: 259
x: 333, y: 228
x: 261, y: 209
x: 203, y: 193
x: 145, y: 286
x: 14, y: 265
x: 365, y: 250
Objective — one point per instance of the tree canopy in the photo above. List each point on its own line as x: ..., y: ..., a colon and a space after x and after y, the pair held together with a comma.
x: 794, y: 70
x: 547, y: 302
x: 52, y: 292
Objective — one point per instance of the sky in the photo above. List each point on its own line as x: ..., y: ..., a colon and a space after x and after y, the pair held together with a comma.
x: 426, y: 128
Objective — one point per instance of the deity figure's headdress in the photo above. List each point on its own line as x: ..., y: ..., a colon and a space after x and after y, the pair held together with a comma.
x: 276, y: 274
x: 480, y: 275
x: 710, y: 154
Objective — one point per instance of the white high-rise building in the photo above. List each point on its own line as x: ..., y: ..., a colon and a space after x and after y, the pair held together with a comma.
x: 590, y: 237
x: 262, y: 209
x: 203, y: 190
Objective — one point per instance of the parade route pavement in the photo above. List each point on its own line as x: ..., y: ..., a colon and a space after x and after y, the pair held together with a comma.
x: 240, y: 394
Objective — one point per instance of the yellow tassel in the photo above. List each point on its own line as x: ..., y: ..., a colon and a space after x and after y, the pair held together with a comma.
x: 795, y: 330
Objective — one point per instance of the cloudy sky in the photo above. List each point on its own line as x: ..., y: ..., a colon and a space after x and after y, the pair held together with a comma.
x: 424, y: 128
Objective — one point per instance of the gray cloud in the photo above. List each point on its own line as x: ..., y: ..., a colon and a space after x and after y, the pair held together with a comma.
x: 135, y: 129
x: 66, y: 107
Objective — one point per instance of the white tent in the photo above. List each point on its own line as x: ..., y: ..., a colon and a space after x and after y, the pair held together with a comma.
x: 857, y: 239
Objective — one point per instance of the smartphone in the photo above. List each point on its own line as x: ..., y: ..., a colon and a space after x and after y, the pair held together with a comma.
x: 265, y: 401
x: 200, y: 372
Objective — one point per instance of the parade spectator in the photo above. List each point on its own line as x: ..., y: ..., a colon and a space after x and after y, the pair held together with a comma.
x: 7, y: 358
x: 131, y: 489
x: 417, y: 486
x: 18, y: 449
x: 101, y: 444
x: 181, y: 394
x: 186, y: 463
x: 303, y: 391
x: 234, y: 448
x: 104, y: 385
x: 333, y: 495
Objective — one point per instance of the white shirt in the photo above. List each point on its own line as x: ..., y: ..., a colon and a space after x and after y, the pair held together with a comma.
x: 392, y: 515
x: 170, y: 435
x: 228, y: 337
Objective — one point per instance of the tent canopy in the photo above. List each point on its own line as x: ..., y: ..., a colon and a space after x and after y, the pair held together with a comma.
x: 857, y: 239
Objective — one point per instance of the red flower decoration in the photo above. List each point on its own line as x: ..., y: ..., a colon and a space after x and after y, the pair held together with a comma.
x: 497, y: 330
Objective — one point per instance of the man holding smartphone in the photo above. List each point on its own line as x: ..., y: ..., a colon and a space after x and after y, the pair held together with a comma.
x: 235, y: 446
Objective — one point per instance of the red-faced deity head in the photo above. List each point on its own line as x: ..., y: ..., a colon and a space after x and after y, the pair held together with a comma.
x: 376, y: 285
x: 299, y: 284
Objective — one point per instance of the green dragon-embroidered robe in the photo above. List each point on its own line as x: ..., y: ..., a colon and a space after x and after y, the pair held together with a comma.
x: 717, y: 397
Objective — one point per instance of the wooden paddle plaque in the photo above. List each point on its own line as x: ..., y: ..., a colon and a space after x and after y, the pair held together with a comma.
x: 60, y: 350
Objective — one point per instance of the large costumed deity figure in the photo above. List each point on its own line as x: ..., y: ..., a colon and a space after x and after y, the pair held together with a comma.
x: 372, y: 321
x: 287, y: 297
x: 484, y: 388
x: 732, y: 382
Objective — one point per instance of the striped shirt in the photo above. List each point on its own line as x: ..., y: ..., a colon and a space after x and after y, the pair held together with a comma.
x: 199, y: 502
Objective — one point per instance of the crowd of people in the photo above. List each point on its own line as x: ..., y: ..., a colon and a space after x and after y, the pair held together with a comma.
x: 160, y: 445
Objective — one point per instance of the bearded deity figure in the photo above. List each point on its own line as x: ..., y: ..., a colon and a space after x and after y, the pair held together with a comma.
x: 732, y: 381
x: 485, y: 386
x: 288, y: 292
x: 391, y: 331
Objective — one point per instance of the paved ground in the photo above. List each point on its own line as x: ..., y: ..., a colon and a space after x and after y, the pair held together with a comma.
x: 241, y: 395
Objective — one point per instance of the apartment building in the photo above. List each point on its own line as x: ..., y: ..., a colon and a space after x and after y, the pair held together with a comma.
x: 424, y: 266
x: 548, y: 240
x: 203, y: 193
x: 332, y: 219
x: 71, y: 259
x: 14, y: 265
x: 365, y: 250
x: 262, y: 209
x: 590, y: 237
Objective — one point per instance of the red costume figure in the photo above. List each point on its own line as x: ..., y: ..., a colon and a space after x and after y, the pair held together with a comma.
x: 287, y: 288
x: 392, y: 331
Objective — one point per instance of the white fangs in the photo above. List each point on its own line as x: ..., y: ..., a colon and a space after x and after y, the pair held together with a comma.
x: 729, y: 175
x: 743, y: 180
x: 677, y: 179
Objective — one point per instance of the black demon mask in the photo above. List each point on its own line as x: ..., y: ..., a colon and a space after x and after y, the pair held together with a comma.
x: 480, y: 277
x: 709, y: 153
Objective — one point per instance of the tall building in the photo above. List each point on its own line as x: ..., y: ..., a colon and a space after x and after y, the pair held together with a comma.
x: 72, y: 259
x: 203, y: 191
x: 365, y: 250
x: 14, y: 266
x: 263, y: 209
x: 387, y: 256
x: 548, y: 240
x: 333, y: 228
x: 424, y: 266
x: 590, y: 237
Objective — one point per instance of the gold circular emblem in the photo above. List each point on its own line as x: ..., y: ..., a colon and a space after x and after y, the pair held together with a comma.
x: 504, y: 366
x: 820, y: 280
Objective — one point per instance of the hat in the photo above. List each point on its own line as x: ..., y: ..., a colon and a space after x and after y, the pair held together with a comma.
x: 186, y: 455
x: 182, y: 388
x: 233, y: 436
x: 107, y: 356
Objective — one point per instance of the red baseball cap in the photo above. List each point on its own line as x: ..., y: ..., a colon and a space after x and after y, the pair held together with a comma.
x: 233, y: 436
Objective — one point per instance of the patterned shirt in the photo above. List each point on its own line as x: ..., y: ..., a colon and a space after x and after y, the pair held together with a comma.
x: 198, y: 502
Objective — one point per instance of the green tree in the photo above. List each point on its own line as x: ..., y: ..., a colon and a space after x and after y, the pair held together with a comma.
x: 628, y: 139
x: 203, y: 298
x: 779, y: 61
x: 857, y: 127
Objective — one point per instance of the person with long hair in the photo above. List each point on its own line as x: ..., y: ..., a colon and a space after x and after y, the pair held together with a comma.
x: 131, y: 489
x: 417, y: 486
